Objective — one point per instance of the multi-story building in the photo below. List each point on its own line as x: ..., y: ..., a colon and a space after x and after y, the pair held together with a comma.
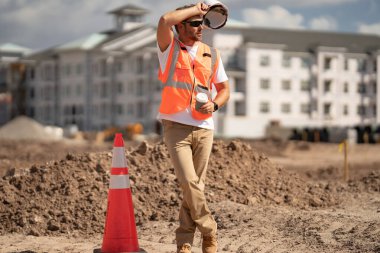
x: 292, y: 78
x: 102, y: 80
x: 297, y: 79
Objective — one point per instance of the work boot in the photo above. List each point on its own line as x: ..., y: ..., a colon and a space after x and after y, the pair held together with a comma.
x: 185, y: 248
x: 209, y: 244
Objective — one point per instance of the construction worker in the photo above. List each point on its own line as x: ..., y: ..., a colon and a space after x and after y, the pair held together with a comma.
x: 189, y: 67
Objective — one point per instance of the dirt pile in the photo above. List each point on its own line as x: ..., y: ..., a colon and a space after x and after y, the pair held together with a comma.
x: 24, y: 128
x: 70, y: 196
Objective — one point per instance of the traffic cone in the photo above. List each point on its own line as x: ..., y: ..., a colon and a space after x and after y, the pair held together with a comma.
x: 120, y: 235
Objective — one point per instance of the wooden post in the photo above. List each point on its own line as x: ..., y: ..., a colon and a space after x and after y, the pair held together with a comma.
x: 345, y: 167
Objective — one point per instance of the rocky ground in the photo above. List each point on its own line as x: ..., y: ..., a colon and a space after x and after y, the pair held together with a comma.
x: 266, y: 196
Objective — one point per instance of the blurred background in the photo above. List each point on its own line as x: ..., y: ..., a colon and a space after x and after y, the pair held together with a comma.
x: 301, y: 70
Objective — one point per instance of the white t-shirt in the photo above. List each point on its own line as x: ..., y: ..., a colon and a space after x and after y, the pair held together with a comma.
x: 184, y: 116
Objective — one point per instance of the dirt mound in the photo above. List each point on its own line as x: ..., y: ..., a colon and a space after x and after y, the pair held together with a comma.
x: 24, y: 128
x: 70, y: 196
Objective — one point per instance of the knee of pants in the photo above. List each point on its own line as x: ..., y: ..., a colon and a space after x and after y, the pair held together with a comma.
x: 189, y: 185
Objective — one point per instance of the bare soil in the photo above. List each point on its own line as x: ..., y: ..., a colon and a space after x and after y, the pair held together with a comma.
x: 266, y: 196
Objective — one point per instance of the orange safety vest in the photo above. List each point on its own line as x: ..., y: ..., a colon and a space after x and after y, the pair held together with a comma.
x: 184, y: 78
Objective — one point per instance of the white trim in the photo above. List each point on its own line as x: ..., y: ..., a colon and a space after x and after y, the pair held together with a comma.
x: 119, y: 182
x: 118, y: 158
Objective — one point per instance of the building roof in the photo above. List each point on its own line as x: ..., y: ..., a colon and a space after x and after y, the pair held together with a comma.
x: 42, y: 55
x: 86, y: 43
x: 129, y: 40
x: 129, y: 9
x: 308, y: 41
x: 10, y: 47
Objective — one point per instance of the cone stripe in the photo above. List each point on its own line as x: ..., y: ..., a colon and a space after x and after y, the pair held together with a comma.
x: 119, y: 182
x: 119, y: 171
x: 118, y: 158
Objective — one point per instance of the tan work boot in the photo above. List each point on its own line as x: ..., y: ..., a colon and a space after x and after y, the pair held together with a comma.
x: 209, y: 244
x: 185, y: 248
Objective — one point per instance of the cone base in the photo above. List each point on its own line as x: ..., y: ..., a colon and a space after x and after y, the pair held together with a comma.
x: 100, y: 251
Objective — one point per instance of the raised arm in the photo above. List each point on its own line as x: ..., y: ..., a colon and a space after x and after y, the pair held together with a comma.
x: 164, y: 30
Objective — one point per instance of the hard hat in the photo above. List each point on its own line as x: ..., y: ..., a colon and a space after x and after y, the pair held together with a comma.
x: 216, y: 16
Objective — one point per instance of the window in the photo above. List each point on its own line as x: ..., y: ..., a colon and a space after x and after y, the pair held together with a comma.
x: 140, y: 109
x: 286, y: 108
x: 345, y: 88
x: 305, y: 85
x: 79, y: 90
x: 130, y: 109
x: 305, y: 108
x: 239, y: 85
x: 32, y: 73
x: 103, y: 110
x: 286, y: 85
x: 264, y: 107
x: 119, y: 109
x: 120, y: 89
x: 68, y: 70
x: 68, y: 91
x: 130, y: 87
x: 140, y: 88
x: 362, y: 65
x: 103, y: 68
x: 327, y: 63
x: 31, y: 92
x: 119, y: 66
x: 79, y: 69
x: 327, y: 86
x: 327, y: 109
x: 48, y: 73
x: 103, y: 90
x: 286, y: 61
x: 361, y: 110
x: 345, y: 110
x: 264, y: 61
x: 362, y: 89
x: 374, y: 87
x: 305, y: 62
x: 240, y: 108
x: 265, y: 84
x: 139, y: 65
x: 346, y: 64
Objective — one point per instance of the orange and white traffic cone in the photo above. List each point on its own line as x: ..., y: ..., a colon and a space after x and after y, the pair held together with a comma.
x: 120, y: 234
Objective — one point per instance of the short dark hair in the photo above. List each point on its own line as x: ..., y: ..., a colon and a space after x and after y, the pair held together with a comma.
x: 182, y: 8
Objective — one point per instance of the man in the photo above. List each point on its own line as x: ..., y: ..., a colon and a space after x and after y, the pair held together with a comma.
x: 189, y: 67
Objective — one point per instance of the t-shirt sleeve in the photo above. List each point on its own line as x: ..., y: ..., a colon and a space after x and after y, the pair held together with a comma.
x: 163, y: 56
x: 221, y: 75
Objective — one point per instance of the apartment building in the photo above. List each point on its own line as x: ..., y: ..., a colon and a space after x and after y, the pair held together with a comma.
x: 292, y: 78
x: 102, y: 80
x: 297, y: 79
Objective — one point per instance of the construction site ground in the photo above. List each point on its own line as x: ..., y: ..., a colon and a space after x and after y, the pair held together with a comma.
x: 267, y: 196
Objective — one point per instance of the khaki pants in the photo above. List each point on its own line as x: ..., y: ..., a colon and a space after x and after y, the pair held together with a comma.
x: 189, y: 148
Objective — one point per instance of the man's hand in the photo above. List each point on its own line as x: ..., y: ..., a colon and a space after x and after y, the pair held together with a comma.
x: 207, y: 108
x: 203, y: 8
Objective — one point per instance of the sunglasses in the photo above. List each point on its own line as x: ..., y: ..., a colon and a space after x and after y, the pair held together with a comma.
x: 194, y: 23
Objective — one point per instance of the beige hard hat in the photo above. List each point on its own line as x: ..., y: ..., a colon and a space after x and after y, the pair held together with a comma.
x: 216, y: 16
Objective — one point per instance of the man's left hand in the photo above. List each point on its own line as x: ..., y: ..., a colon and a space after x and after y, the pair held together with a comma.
x: 207, y: 108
